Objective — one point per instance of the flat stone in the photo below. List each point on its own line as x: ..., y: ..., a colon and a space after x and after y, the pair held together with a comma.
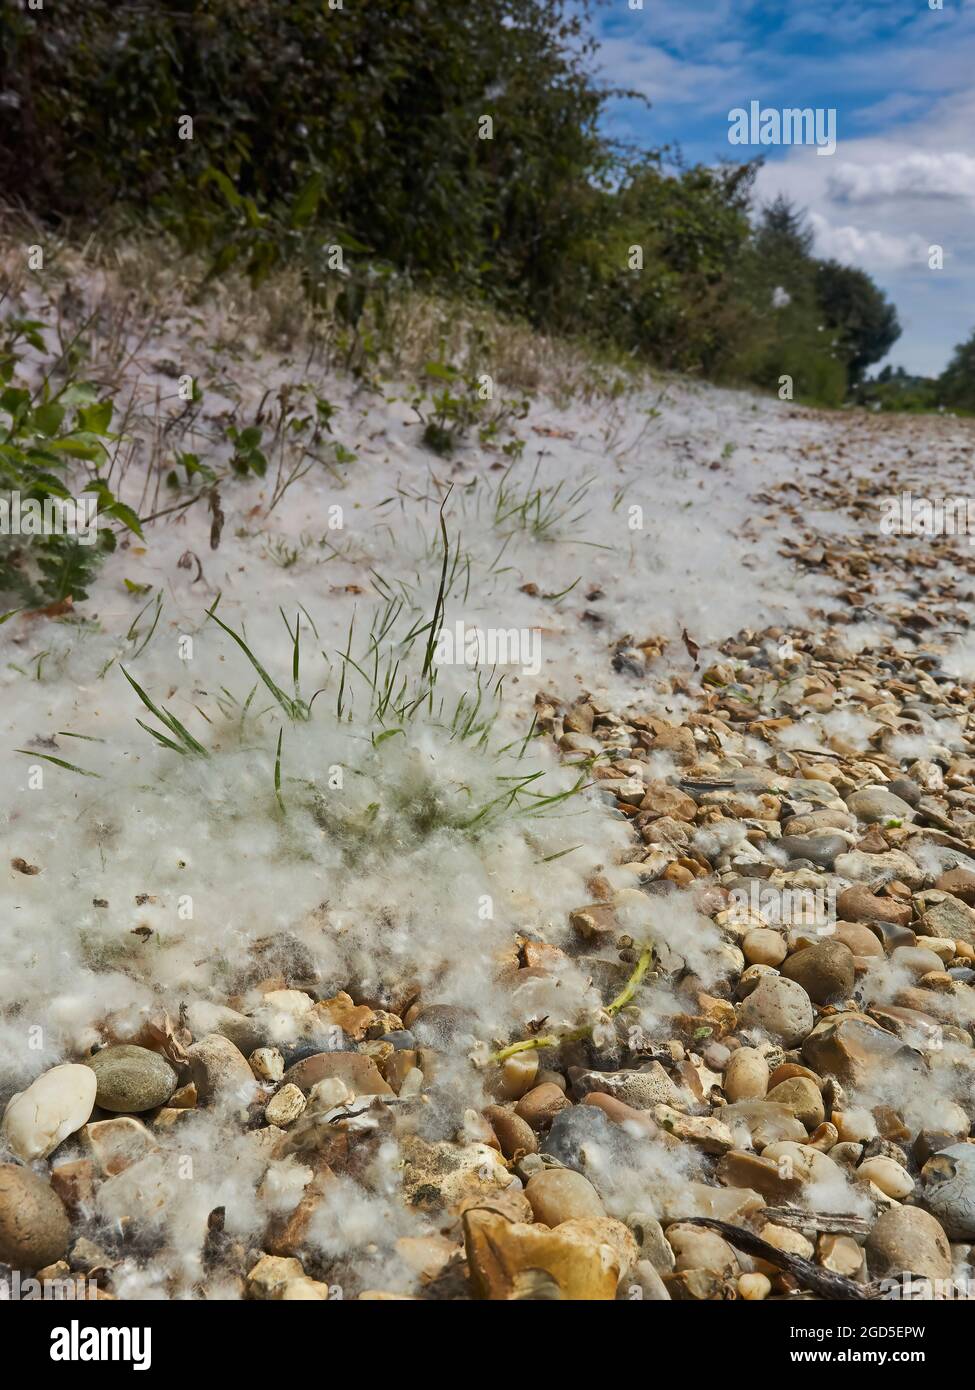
x: 856, y: 1052
x: 641, y: 1089
x: 878, y: 869
x: 356, y: 1069
x: 803, y: 1098
x: 858, y: 904
x: 960, y: 883
x: 877, y: 804
x: 950, y: 918
x: 819, y: 849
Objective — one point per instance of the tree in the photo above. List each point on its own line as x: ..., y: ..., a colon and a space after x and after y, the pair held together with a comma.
x: 865, y: 322
x: 957, y: 381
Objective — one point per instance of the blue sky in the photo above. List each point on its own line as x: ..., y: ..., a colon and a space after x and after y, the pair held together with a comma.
x: 901, y: 77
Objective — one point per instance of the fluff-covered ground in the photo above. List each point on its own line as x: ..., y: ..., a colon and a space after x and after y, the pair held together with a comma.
x: 387, y: 855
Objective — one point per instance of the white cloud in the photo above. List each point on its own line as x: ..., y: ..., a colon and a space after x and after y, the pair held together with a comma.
x: 869, y: 249
x: 920, y: 175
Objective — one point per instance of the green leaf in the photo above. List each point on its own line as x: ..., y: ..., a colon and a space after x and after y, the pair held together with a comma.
x: 306, y: 204
x: 49, y: 418
x: 95, y: 419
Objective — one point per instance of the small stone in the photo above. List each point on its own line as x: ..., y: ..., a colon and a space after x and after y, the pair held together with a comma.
x: 619, y: 1112
x: 860, y: 940
x: 854, y: 1051
x: 518, y: 1074
x: 908, y: 1239
x: 645, y: 1279
x: 826, y: 972
x: 891, y: 1177
x: 539, y: 1106
x: 74, y: 1183
x: 285, y: 1106
x: 789, y: 1241
x: 764, y: 947
x: 875, y: 868
x: 301, y: 1290
x: 696, y: 1248
x: 948, y: 1190
x: 746, y: 1076
x: 118, y: 1143
x: 34, y: 1226
x: 270, y: 1273
x: 840, y: 1255
x: 818, y: 849
x: 951, y: 919
x: 754, y: 1287
x: 654, y: 1247
x: 803, y: 1098
x: 132, y: 1079
x: 858, y: 904
x: 559, y: 1194
x: 266, y: 1063
x: 640, y: 1090
x: 577, y: 1260
x: 515, y: 1135
x: 358, y: 1071
x: 778, y: 1007
x: 704, y: 1131
x: 878, y: 805
x: 219, y: 1071
x: 53, y: 1106
x: 960, y: 883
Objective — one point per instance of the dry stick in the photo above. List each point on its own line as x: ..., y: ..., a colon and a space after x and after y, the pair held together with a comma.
x: 553, y: 1039
x: 820, y: 1281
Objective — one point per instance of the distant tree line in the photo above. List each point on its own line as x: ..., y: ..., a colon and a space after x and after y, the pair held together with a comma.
x: 457, y: 145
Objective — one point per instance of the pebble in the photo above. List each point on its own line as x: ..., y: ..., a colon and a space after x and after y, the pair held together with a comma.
x: 219, y: 1071
x: 908, y: 1239
x: 764, y: 947
x: 356, y: 1069
x: 778, y: 1007
x: 267, y: 1064
x: 559, y: 1194
x: 821, y: 849
x: 960, y: 883
x: 858, y: 904
x: 697, y: 1248
x: 514, y: 1134
x: 803, y: 1098
x: 132, y: 1079
x: 891, y: 1177
x: 877, y: 804
x: 539, y: 1106
x: 34, y: 1226
x: 746, y: 1076
x: 754, y: 1287
x: 52, y: 1107
x: 826, y: 972
x: 285, y: 1106
x: 948, y: 1190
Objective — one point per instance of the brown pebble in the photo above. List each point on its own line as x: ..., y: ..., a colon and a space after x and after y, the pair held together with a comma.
x: 541, y: 1104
